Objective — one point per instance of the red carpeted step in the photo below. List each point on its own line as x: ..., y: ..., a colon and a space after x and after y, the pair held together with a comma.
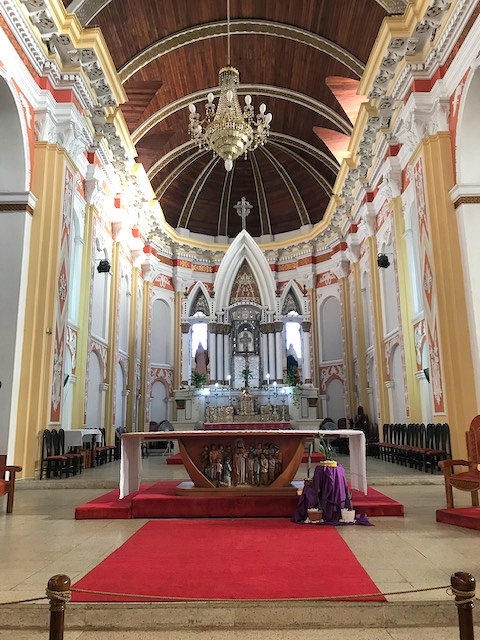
x: 160, y: 501
x: 229, y: 559
x: 316, y: 457
x: 468, y: 517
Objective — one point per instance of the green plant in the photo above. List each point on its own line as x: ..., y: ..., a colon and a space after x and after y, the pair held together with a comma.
x: 198, y: 379
x: 246, y: 375
x: 325, y: 448
x: 292, y: 378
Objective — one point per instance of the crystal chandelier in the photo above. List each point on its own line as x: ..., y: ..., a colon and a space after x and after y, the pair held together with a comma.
x: 227, y: 130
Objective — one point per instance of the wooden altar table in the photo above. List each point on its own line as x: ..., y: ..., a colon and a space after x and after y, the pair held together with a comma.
x: 292, y: 442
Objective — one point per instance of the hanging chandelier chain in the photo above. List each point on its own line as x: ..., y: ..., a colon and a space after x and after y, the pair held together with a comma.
x: 228, y: 33
x: 227, y: 129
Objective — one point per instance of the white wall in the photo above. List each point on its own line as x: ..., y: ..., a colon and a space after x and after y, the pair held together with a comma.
x: 397, y: 410
x: 95, y: 397
x: 161, y: 352
x: 101, y: 294
x: 14, y: 252
x: 124, y: 313
x: 120, y: 399
x: 331, y: 330
x: 335, y: 400
x: 158, y: 407
x: 67, y: 404
x: 389, y: 295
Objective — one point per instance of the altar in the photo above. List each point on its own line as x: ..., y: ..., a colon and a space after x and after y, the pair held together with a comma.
x: 222, y: 404
x: 243, y: 461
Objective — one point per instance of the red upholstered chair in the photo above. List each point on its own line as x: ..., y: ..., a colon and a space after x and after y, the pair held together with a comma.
x: 7, y: 487
x: 467, y: 480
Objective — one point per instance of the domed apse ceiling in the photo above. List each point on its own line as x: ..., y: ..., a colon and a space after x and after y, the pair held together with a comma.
x: 168, y: 53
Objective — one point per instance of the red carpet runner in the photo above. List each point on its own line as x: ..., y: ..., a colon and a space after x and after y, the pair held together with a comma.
x: 229, y: 559
x: 160, y: 501
x: 468, y: 517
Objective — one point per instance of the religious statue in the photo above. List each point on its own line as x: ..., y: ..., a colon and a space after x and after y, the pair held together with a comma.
x: 227, y: 473
x: 292, y: 360
x: 239, y: 463
x: 201, y: 359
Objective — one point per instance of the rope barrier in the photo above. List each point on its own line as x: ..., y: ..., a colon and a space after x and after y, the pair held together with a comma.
x: 65, y: 596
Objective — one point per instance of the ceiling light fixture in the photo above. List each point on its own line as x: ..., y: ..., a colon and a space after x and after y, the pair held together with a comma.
x: 227, y: 130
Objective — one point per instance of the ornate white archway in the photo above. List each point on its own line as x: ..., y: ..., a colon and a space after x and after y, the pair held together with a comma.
x: 243, y: 248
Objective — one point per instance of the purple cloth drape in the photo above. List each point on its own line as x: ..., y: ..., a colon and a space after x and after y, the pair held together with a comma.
x: 333, y: 493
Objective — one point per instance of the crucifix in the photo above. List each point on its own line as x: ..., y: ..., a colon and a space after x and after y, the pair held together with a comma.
x: 243, y: 209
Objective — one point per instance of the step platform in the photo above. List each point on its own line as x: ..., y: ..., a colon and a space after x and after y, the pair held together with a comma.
x: 161, y: 500
x: 467, y: 517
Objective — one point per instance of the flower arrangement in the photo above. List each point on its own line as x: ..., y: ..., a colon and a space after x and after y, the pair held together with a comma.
x: 198, y: 379
x: 246, y: 375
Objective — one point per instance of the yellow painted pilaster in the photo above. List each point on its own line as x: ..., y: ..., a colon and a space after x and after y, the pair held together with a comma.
x: 36, y: 371
x: 177, y: 336
x: 312, y: 294
x: 361, y: 347
x: 348, y: 346
x: 145, y: 356
x: 377, y: 323
x: 456, y: 357
x: 132, y: 349
x: 406, y: 313
x: 78, y: 414
x: 112, y: 343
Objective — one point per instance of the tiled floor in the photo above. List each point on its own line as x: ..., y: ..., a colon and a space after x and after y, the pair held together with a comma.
x: 42, y: 538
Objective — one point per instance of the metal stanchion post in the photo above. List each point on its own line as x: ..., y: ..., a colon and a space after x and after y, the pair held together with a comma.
x: 463, y: 587
x: 58, y: 591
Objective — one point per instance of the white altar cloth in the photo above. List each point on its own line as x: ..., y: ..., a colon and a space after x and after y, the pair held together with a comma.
x: 131, y: 461
x: 75, y: 437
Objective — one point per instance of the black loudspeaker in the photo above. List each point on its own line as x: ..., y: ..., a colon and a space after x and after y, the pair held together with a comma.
x: 427, y: 374
x: 383, y: 261
x: 103, y: 266
x: 65, y: 380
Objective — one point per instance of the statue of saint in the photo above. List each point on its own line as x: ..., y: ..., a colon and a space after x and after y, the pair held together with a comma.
x: 201, y: 359
x: 292, y: 359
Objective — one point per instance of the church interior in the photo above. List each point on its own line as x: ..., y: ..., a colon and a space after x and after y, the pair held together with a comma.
x: 239, y: 319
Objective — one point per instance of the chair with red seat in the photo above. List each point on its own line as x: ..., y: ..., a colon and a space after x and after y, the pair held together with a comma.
x: 467, y: 480
x: 7, y: 487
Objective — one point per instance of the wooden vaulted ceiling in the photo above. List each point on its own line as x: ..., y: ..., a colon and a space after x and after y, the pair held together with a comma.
x: 166, y: 50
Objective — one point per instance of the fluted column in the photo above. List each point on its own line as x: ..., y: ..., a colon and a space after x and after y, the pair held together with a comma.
x: 271, y: 356
x: 279, y: 351
x: 264, y: 352
x: 212, y: 351
x: 307, y: 370
x: 220, y: 371
x: 185, y: 326
x: 226, y: 353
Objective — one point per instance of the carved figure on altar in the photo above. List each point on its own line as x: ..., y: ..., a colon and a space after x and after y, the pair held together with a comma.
x: 271, y: 466
x: 278, y: 462
x: 201, y: 359
x: 227, y: 473
x: 239, y: 463
x: 292, y: 360
x: 263, y: 469
x: 256, y: 471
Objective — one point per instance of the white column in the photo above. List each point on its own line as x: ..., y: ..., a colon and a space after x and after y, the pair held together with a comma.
x: 279, y: 354
x: 15, y: 225
x: 468, y: 221
x: 220, y: 377
x: 226, y: 357
x: 307, y: 374
x: 271, y: 356
x: 390, y: 384
x: 264, y: 355
x: 185, y: 353
x: 212, y: 353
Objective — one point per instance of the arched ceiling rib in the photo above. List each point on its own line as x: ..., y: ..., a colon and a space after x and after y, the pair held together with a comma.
x: 262, y: 203
x: 317, y: 107
x: 86, y: 10
x: 239, y: 27
x: 194, y: 192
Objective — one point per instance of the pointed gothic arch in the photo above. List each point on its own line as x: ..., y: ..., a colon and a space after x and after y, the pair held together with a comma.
x: 290, y: 299
x: 199, y: 300
x: 244, y: 248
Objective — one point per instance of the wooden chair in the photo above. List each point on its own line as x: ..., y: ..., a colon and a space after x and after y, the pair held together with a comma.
x: 75, y: 456
x: 467, y: 480
x: 103, y: 452
x: 7, y: 487
x: 50, y: 461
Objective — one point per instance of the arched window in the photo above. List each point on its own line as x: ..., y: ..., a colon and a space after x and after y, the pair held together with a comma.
x: 389, y: 296
x: 101, y: 290
x: 161, y: 332
x: 293, y: 332
x: 199, y: 333
x: 75, y: 268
